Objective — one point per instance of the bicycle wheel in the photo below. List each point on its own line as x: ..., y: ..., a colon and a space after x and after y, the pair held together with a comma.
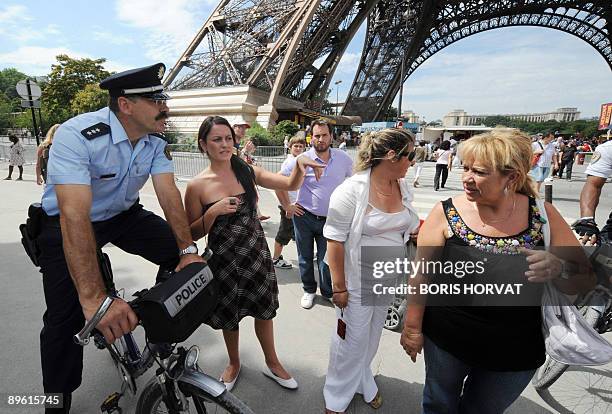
x: 150, y: 401
x: 548, y: 373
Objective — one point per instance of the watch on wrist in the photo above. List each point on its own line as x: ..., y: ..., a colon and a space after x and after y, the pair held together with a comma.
x: 191, y: 249
x: 565, y: 274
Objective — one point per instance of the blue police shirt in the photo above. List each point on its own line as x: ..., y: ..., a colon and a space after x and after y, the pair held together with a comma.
x: 106, y: 162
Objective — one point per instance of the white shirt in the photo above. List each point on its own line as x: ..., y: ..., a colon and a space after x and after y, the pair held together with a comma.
x: 547, y: 156
x: 601, y: 162
x: 347, y: 209
x: 292, y: 194
x: 443, y: 156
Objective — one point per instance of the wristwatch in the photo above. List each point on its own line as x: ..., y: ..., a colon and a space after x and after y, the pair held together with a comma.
x: 191, y: 249
x: 565, y: 271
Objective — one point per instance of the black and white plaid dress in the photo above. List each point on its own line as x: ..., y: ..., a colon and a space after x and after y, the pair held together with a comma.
x: 242, y: 264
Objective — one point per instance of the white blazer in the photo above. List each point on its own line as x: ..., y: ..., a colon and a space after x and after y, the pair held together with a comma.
x: 347, y: 208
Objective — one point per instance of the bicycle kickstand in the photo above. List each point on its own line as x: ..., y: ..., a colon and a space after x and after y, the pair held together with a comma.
x: 111, y: 404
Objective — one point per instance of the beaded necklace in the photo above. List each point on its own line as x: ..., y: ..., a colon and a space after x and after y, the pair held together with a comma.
x: 529, y: 238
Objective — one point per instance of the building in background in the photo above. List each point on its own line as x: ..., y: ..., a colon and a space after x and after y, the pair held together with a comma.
x: 459, y: 117
x: 410, y: 117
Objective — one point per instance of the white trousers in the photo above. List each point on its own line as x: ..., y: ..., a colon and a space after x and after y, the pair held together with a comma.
x: 418, y: 167
x: 349, y: 370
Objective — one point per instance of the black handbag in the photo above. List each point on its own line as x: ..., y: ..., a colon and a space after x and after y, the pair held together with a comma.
x: 171, y: 311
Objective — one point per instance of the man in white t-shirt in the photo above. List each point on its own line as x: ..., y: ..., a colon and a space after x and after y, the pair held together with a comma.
x: 598, y: 171
x: 296, y: 146
x: 546, y: 148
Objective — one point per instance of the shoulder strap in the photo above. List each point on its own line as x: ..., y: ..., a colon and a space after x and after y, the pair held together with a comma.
x: 96, y: 131
x: 546, y: 224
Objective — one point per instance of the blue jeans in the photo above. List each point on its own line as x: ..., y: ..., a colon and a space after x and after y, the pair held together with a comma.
x: 308, y: 230
x: 484, y: 392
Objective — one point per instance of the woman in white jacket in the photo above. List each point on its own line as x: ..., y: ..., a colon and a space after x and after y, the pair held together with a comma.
x: 372, y: 208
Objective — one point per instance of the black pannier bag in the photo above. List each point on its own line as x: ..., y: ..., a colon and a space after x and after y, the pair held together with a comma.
x: 171, y: 311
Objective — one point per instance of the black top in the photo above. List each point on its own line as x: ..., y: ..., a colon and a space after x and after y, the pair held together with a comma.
x: 568, y: 153
x: 496, y: 338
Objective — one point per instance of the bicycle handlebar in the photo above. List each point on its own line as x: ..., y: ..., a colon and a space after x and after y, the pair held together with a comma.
x: 82, y: 338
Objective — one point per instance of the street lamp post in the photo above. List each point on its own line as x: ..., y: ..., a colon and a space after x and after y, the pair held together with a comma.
x: 408, y: 14
x: 338, y: 82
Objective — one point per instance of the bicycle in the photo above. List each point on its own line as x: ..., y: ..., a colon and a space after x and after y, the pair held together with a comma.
x: 595, y: 307
x: 178, y: 377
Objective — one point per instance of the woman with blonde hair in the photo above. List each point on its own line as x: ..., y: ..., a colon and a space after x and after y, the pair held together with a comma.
x: 480, y: 355
x: 42, y: 155
x: 373, y: 209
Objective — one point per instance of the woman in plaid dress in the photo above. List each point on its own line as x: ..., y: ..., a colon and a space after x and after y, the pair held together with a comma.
x: 222, y: 202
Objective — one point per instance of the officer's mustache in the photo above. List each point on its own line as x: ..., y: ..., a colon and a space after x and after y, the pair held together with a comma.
x: 162, y: 115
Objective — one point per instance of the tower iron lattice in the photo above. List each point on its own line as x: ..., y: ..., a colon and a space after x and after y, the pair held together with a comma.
x: 291, y: 48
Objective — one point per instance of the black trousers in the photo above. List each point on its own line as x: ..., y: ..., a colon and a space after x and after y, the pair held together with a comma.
x: 136, y: 231
x: 569, y: 164
x: 440, y: 169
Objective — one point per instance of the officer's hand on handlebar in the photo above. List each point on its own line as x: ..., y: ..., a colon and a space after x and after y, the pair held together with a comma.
x: 587, y: 231
x: 119, y: 319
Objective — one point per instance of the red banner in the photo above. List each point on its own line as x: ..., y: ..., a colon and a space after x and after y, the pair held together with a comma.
x: 605, y: 118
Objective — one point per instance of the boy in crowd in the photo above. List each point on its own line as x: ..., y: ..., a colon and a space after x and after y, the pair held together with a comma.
x: 296, y: 146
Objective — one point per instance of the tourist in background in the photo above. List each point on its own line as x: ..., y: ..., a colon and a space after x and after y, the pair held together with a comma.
x: 287, y: 208
x: 42, y: 155
x: 462, y: 373
x: 221, y: 203
x: 568, y: 153
x: 16, y: 157
x: 371, y: 208
x: 419, y: 159
x: 545, y: 149
x: 444, y: 160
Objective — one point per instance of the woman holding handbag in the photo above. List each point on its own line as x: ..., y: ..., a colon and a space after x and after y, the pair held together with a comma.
x: 480, y: 358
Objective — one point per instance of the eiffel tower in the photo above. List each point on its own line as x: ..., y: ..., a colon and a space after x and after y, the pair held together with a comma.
x: 263, y: 57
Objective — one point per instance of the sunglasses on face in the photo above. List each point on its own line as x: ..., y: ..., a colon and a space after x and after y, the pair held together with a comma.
x: 409, y: 154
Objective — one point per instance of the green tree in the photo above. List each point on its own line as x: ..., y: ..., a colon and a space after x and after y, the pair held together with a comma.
x: 391, y: 114
x: 8, y: 79
x: 259, y: 134
x: 89, y: 99
x: 67, y: 78
x: 282, y: 129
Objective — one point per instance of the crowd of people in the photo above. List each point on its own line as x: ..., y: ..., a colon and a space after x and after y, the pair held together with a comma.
x: 333, y: 208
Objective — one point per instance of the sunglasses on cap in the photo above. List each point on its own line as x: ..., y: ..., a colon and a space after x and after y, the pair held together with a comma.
x: 156, y: 101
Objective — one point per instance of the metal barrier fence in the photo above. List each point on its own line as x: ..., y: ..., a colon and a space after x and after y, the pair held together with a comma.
x: 188, y: 161
x: 29, y: 155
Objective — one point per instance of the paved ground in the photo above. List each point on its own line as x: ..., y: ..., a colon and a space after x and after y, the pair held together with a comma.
x: 302, y: 336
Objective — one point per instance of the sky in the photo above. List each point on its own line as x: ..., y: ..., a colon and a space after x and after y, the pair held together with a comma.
x: 503, y: 71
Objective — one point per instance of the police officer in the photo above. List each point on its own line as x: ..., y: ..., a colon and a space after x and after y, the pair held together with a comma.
x: 98, y: 163
x: 597, y: 172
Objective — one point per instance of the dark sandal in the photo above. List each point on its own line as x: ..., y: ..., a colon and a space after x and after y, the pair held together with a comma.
x: 376, y: 403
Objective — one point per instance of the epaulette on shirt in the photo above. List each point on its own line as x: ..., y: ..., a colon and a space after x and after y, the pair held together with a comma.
x: 96, y: 130
x: 160, y: 135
